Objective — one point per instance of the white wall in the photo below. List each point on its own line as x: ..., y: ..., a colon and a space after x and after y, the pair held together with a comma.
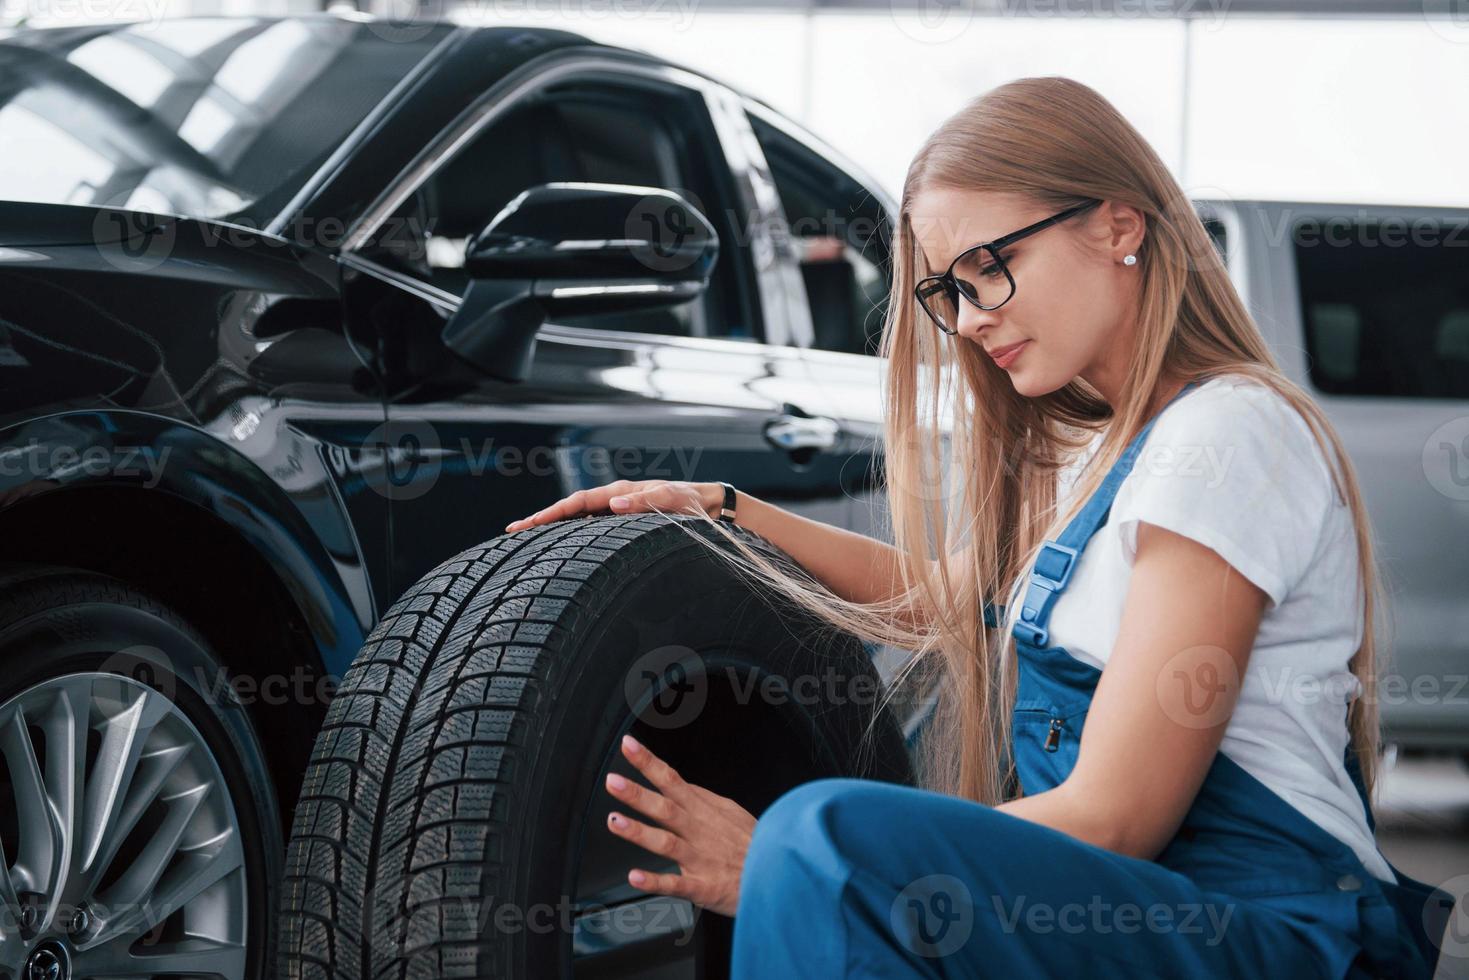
x: 1360, y: 111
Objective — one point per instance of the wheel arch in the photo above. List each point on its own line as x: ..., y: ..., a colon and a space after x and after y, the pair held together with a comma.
x: 208, y: 534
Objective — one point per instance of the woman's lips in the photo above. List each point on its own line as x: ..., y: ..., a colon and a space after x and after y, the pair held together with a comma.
x: 1006, y: 355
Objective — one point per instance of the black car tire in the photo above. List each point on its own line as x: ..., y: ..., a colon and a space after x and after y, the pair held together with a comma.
x: 455, y: 797
x: 75, y: 630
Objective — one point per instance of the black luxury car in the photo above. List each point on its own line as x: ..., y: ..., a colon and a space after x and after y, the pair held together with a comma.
x: 295, y: 315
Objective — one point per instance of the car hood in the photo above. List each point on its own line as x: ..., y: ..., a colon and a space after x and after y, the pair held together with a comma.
x: 29, y: 225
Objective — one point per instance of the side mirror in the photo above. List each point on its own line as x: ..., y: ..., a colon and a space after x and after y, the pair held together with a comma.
x: 567, y: 248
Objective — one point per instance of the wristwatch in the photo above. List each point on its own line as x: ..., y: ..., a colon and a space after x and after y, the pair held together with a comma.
x: 727, y: 512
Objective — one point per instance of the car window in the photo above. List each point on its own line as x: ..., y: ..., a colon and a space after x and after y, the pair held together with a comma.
x: 205, y: 118
x: 581, y: 132
x: 1215, y: 228
x: 842, y: 232
x: 1385, y: 305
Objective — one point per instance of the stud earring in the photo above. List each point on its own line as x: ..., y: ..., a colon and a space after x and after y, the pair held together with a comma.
x: 1129, y: 260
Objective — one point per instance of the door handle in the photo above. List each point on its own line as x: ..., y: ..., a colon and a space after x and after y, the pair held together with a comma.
x: 796, y: 432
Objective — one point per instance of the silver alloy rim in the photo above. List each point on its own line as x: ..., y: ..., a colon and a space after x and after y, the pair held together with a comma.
x: 122, y: 847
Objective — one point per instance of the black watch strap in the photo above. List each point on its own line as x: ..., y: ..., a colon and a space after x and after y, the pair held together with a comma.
x: 727, y: 512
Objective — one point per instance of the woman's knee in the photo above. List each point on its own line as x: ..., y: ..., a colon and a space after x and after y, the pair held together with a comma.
x: 832, y: 813
x: 799, y: 848
x: 836, y: 822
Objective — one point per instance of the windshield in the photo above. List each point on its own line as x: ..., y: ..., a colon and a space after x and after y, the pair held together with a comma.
x: 204, y: 117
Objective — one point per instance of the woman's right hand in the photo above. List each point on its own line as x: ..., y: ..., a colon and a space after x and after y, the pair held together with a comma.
x: 669, y: 496
x: 708, y: 835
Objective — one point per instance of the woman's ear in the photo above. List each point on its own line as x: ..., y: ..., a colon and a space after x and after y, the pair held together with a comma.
x: 1127, y: 227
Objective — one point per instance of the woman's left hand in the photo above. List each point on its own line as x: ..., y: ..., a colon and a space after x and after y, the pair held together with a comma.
x: 707, y: 834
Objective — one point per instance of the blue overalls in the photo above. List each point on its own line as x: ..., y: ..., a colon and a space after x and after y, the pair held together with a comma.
x: 863, y: 878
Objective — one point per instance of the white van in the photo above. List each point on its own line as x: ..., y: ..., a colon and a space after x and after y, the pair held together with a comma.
x: 1367, y: 307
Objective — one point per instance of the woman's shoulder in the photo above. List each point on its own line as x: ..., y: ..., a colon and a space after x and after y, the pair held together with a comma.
x: 1232, y: 389
x: 1230, y: 429
x: 1242, y: 414
x: 1235, y: 465
x: 1240, y: 438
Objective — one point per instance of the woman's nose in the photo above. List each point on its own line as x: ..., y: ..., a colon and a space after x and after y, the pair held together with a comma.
x: 973, y: 320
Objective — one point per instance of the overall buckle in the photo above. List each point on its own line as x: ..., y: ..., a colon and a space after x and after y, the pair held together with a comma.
x: 1052, y: 570
x: 1050, y: 554
x: 1036, y: 636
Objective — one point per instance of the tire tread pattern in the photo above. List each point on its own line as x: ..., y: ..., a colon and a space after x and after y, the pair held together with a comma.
x: 403, y: 809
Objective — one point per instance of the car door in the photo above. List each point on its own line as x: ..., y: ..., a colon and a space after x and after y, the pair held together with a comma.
x: 691, y: 392
x: 837, y: 278
x: 1368, y: 308
x: 840, y: 228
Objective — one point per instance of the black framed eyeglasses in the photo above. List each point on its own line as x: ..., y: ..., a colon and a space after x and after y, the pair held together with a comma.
x: 980, y: 275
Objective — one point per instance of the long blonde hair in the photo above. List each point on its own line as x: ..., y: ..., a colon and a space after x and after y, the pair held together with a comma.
x: 1058, y: 142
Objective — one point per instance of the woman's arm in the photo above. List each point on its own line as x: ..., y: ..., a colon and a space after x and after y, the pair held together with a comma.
x: 854, y: 566
x: 1160, y: 708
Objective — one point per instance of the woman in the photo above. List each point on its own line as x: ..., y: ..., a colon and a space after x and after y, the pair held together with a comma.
x: 1132, y: 470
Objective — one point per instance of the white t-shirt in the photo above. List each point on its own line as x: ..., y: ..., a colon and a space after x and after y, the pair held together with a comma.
x: 1232, y: 465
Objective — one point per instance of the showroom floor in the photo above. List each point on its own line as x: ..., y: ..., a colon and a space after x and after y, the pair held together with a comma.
x: 1422, y: 814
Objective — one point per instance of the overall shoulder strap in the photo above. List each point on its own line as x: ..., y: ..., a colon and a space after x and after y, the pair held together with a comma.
x: 1058, y: 557
x: 1354, y: 770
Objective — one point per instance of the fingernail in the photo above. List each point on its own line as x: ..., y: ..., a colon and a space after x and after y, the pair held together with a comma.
x: 616, y: 781
x: 631, y: 743
x: 617, y: 819
x: 618, y: 501
x: 636, y: 877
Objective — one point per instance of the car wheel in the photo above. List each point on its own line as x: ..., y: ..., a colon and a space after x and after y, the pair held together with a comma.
x: 140, y: 833
x: 453, y: 818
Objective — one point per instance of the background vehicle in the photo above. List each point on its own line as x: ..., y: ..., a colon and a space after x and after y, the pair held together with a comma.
x: 234, y: 391
x: 1367, y: 308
